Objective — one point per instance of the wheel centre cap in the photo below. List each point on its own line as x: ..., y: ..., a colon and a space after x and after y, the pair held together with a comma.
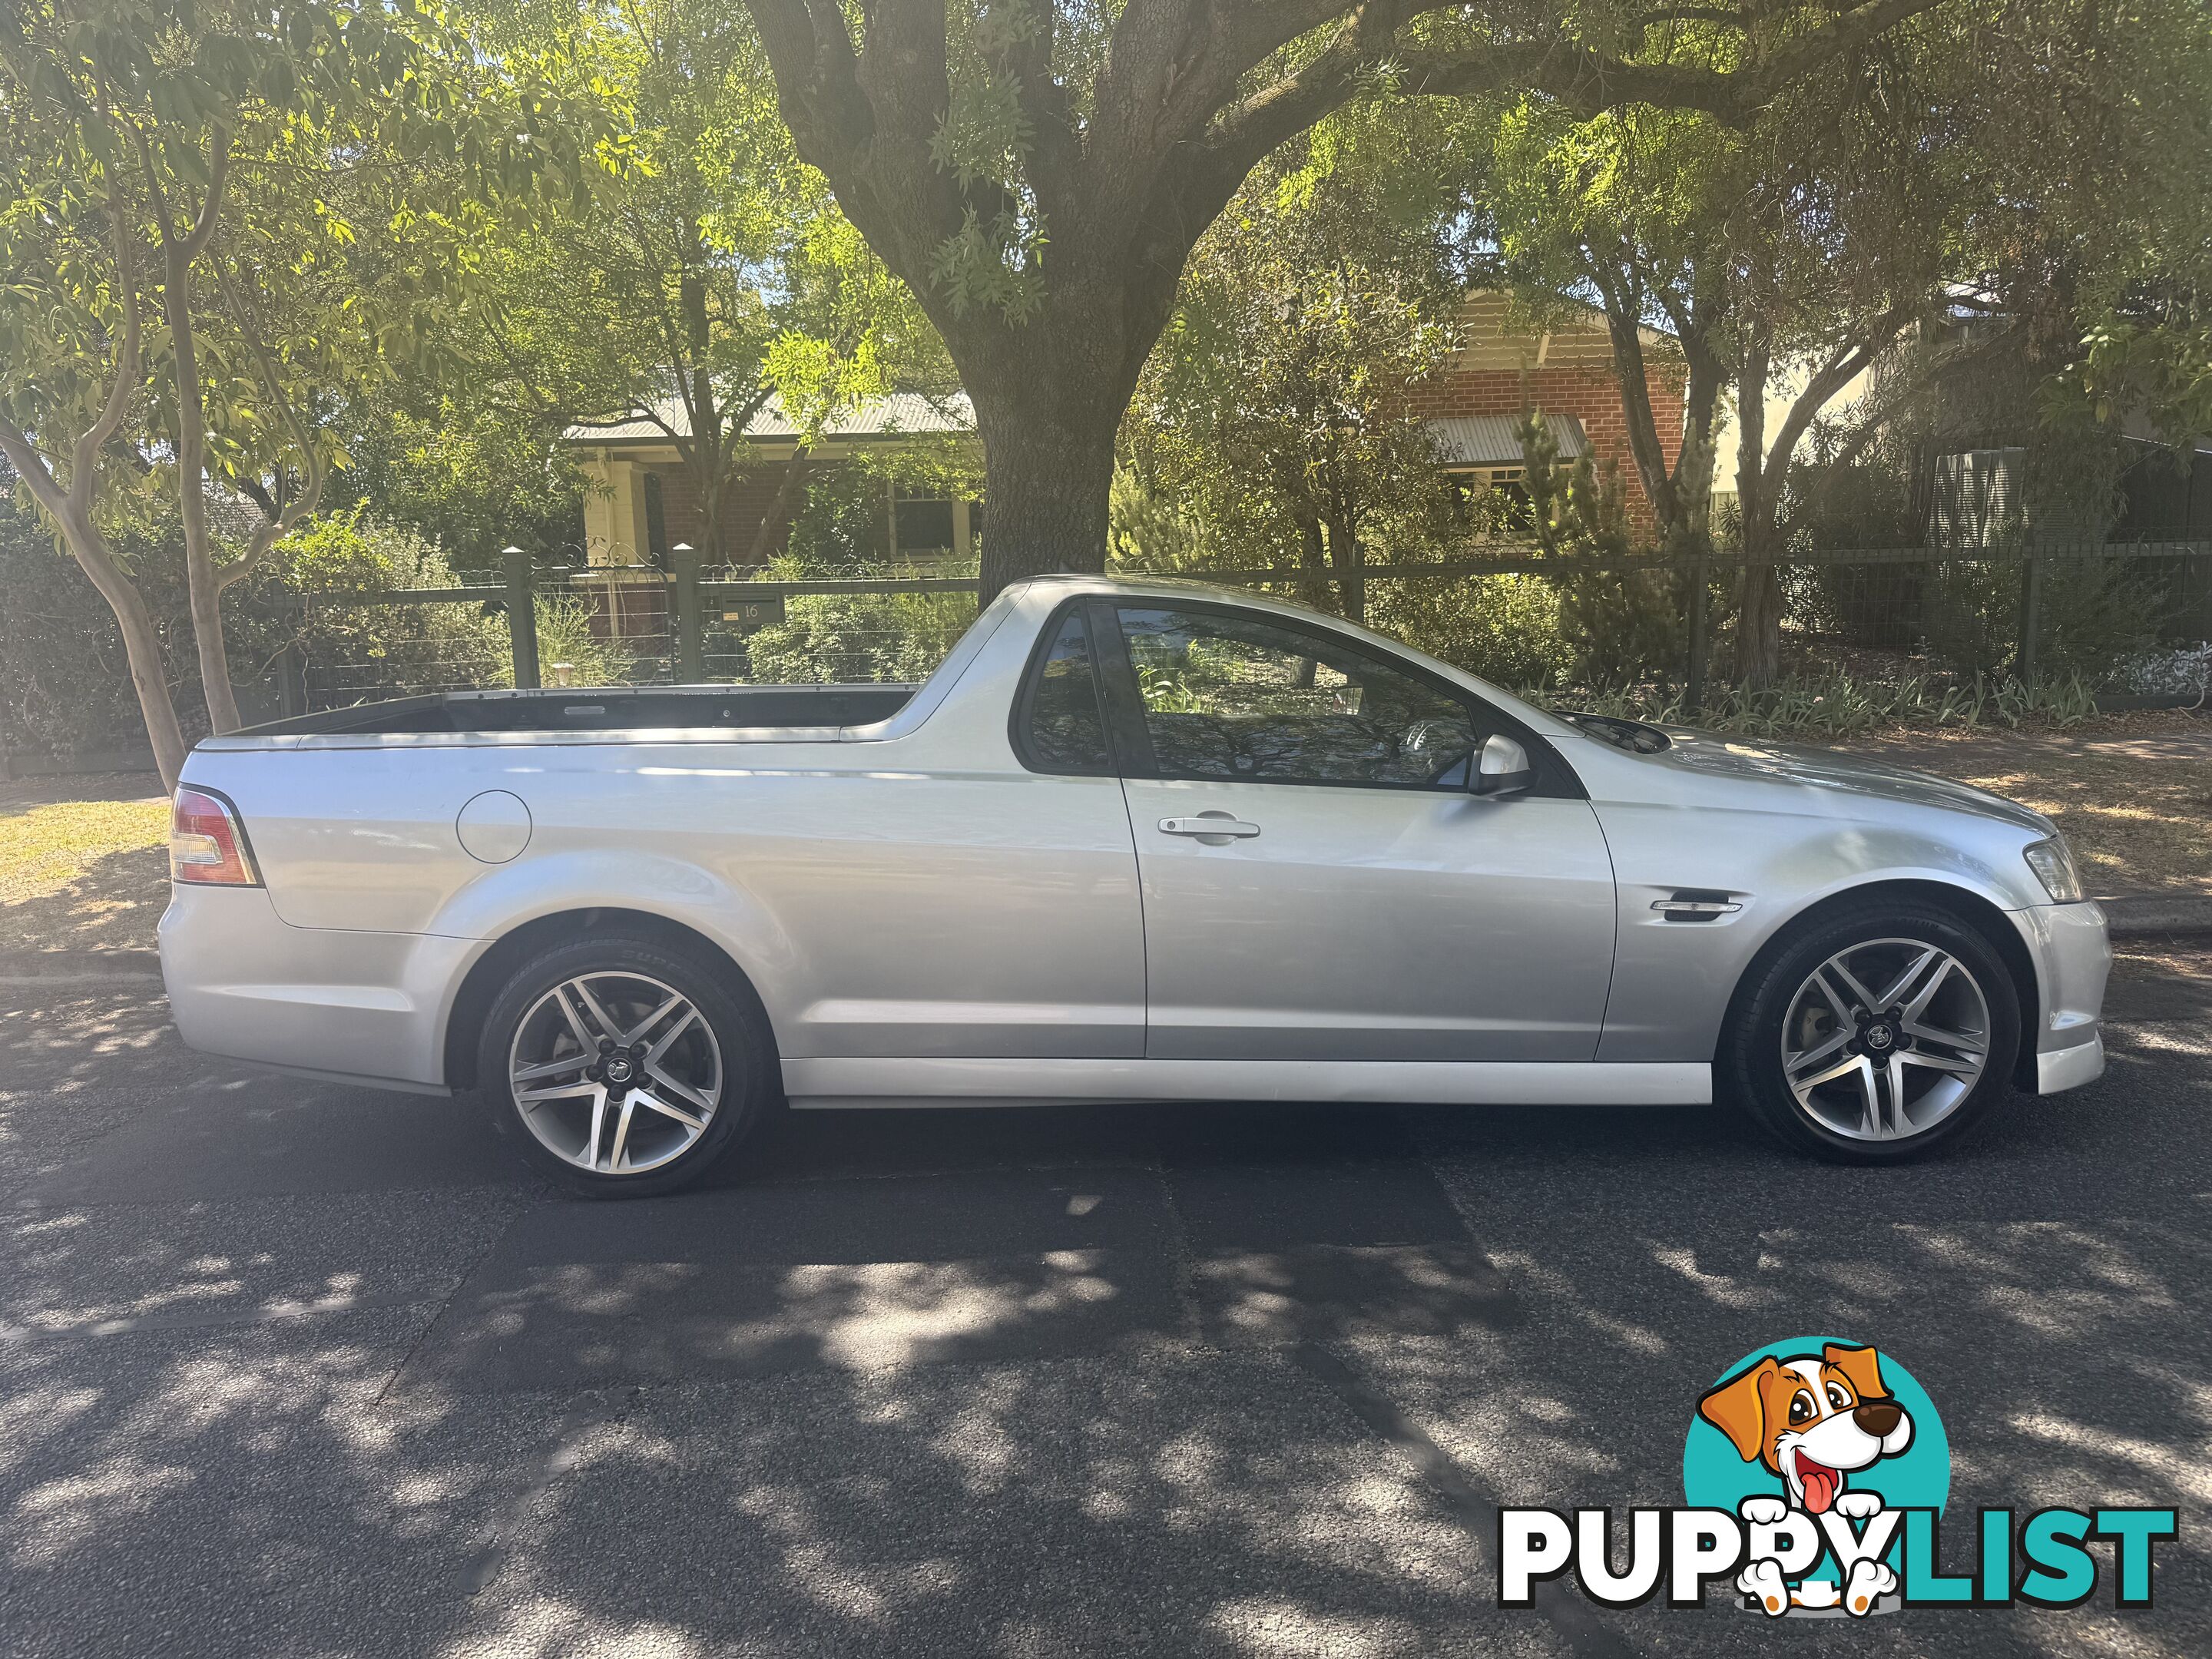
x: 1880, y: 1037
x: 619, y: 1070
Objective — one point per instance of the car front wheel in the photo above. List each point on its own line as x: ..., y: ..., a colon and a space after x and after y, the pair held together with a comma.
x: 1875, y: 1036
x: 623, y: 1067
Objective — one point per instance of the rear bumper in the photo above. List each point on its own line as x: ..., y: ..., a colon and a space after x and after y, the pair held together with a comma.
x: 2073, y: 955
x: 358, y: 1006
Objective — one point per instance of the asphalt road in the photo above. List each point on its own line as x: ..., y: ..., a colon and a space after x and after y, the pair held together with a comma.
x: 292, y: 1369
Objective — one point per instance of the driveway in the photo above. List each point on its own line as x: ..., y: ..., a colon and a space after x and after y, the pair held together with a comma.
x: 294, y: 1369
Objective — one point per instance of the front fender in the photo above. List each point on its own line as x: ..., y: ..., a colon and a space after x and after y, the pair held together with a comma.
x: 1672, y: 980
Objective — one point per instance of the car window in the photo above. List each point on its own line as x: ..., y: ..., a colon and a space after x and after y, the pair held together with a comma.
x: 1249, y: 698
x: 1064, y: 727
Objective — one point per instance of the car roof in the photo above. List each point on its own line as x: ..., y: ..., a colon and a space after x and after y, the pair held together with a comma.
x: 1140, y: 586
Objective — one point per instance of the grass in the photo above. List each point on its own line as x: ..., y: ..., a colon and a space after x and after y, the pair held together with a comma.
x: 82, y: 864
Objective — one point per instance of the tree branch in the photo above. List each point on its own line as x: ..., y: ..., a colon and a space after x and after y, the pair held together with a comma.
x: 94, y: 438
x: 1026, y: 65
x: 31, y: 467
x: 195, y: 239
x: 271, y: 529
x: 1842, y: 366
x: 1589, y: 81
x: 1172, y: 64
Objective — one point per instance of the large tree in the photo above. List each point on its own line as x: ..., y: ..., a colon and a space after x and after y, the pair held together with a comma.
x: 1039, y: 172
x: 713, y: 266
x: 1999, y: 160
x: 73, y: 365
x: 265, y: 158
x: 1276, y: 413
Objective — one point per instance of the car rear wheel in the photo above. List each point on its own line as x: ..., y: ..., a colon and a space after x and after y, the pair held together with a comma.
x: 624, y: 1067
x: 1874, y: 1035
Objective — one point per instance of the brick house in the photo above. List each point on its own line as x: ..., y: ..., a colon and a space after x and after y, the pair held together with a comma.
x: 1568, y: 375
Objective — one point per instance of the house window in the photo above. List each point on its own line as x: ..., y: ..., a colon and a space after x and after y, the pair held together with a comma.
x: 922, y: 523
x: 1496, y: 496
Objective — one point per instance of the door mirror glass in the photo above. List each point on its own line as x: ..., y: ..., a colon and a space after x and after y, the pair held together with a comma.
x: 1503, y: 768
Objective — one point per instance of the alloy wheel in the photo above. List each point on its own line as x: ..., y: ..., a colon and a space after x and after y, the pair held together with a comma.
x: 1884, y: 1039
x: 615, y: 1072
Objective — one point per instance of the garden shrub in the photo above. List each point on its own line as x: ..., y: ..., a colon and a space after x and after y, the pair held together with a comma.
x: 2094, y: 612
x: 1506, y: 629
x: 64, y: 682
x: 355, y: 653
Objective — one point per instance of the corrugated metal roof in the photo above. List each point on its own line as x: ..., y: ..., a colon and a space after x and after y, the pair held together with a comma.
x: 1490, y: 440
x: 901, y: 413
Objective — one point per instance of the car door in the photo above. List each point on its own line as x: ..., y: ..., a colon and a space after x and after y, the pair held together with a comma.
x: 974, y: 899
x: 1318, y: 882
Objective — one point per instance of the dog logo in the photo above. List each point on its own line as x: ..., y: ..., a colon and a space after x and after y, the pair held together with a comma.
x: 1815, y: 1473
x: 1812, y: 1419
x: 1816, y: 1444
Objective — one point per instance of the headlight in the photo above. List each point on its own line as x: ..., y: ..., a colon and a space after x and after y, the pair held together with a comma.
x: 2053, y: 864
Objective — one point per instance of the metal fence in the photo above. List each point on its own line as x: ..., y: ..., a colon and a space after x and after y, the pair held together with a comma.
x: 1875, y: 614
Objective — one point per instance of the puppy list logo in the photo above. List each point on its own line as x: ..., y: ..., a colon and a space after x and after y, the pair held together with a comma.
x: 1815, y: 1474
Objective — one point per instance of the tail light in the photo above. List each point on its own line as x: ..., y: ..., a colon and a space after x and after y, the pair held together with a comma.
x: 206, y: 845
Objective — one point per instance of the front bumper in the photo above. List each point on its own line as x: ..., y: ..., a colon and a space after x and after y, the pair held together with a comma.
x: 2073, y: 955
x: 334, y: 1003
x: 2069, y: 1068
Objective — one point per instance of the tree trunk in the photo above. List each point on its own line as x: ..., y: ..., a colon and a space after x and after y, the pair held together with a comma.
x: 1759, y: 591
x: 788, y: 489
x: 1313, y: 559
x: 1758, y: 625
x: 141, y: 644
x: 1046, y: 475
x: 204, y: 596
x: 1347, y: 559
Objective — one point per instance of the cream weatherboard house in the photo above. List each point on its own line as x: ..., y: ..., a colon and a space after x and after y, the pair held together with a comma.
x: 641, y: 502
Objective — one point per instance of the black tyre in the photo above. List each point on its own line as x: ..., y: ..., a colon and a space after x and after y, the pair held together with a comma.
x: 625, y: 1067
x: 1875, y: 1034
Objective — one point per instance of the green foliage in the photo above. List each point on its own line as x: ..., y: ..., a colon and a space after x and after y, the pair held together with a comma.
x: 473, y: 485
x: 709, y: 272
x: 847, y: 638
x: 842, y: 526
x: 359, y: 652
x: 2092, y: 611
x: 1619, y: 624
x: 1146, y: 531
x: 840, y: 532
x: 565, y: 636
x: 1276, y: 413
x: 1839, y: 705
x: 64, y: 682
x: 1506, y: 628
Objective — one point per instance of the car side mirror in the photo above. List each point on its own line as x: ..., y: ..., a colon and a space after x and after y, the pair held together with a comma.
x: 1503, y: 770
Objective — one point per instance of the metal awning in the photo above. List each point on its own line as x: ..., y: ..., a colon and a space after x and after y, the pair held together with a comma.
x: 902, y: 414
x: 1490, y: 440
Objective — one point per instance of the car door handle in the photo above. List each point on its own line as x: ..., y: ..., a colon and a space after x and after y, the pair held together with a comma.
x: 1208, y: 825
